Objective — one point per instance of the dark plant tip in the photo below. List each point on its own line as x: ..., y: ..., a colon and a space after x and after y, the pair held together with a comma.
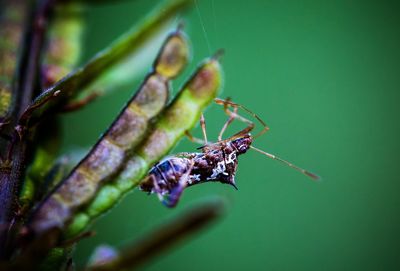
x: 214, y: 206
x: 218, y: 54
x: 180, y: 26
x: 313, y: 176
x: 190, y: 222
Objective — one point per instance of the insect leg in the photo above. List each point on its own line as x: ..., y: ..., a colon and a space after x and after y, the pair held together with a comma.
x: 233, y: 115
x: 156, y: 188
x: 228, y: 103
x: 172, y: 199
x: 203, y: 129
x: 226, y: 124
x: 194, y: 139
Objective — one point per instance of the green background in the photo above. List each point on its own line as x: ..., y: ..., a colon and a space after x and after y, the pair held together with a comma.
x: 325, y: 77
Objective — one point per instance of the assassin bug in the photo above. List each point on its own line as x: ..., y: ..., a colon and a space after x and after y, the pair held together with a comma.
x: 216, y: 163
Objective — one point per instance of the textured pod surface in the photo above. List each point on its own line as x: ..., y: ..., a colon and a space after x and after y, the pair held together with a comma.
x: 60, y: 56
x: 77, y: 81
x: 12, y: 22
x: 180, y: 116
x: 107, y: 157
x: 173, y: 58
x: 63, y: 42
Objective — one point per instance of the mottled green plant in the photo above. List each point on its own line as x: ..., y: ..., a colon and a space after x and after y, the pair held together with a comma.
x: 47, y: 203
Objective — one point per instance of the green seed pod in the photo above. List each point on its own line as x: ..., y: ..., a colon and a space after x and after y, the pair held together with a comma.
x: 107, y: 195
x: 12, y: 22
x: 173, y: 57
x: 184, y: 112
x: 55, y: 97
x: 64, y: 42
x: 132, y: 124
x: 61, y: 54
x: 182, y: 115
x: 80, y: 221
x: 107, y: 157
x: 27, y: 192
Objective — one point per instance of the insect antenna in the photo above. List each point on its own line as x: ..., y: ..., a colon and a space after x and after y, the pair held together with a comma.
x: 303, y: 171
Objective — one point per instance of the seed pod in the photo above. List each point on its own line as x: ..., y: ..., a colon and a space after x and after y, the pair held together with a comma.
x: 180, y: 116
x: 27, y: 192
x: 173, y: 58
x: 109, y: 154
x: 183, y: 113
x: 61, y: 55
x: 64, y: 42
x: 12, y: 22
x: 54, y: 98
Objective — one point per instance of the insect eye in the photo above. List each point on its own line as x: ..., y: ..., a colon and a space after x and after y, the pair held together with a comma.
x: 242, y: 148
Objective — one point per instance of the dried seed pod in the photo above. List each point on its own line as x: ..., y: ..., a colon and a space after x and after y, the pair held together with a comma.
x: 184, y: 112
x: 78, y: 81
x: 12, y: 16
x: 107, y: 157
x: 180, y: 116
x: 60, y: 56
x: 63, y: 42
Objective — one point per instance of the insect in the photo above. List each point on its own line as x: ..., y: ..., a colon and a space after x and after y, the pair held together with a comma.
x: 216, y: 163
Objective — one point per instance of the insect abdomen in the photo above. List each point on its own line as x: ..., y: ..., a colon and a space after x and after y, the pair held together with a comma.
x: 167, y: 174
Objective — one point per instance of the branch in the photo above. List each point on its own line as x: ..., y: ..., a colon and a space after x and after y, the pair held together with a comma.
x: 11, y: 176
x: 162, y: 238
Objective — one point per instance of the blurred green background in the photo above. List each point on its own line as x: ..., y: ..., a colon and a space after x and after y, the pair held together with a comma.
x: 325, y: 77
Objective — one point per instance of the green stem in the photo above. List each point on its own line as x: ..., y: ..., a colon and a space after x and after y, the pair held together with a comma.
x: 14, y: 169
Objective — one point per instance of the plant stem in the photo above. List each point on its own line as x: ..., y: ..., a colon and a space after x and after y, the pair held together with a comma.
x: 162, y: 238
x: 13, y: 168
